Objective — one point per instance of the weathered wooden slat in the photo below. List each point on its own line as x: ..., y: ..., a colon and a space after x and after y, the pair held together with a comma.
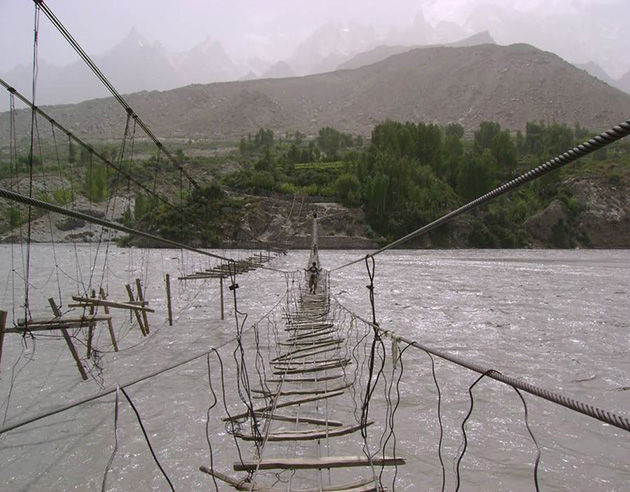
x: 51, y: 327
x: 310, y: 341
x: 304, y: 435
x: 321, y: 396
x: 315, y: 463
x: 302, y: 419
x: 330, y: 344
x: 307, y: 338
x: 301, y: 391
x: 323, y: 367
x: 112, y: 304
x: 310, y: 327
x: 321, y: 350
x: 66, y: 321
x: 305, y: 380
x: 110, y: 326
x: 145, y: 319
x: 297, y: 364
x: 365, y: 485
x: 302, y: 363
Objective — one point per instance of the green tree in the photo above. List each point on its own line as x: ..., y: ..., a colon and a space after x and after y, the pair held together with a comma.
x: 96, y: 182
x: 503, y: 150
x: 453, y: 154
x: 348, y: 189
x: 482, y: 137
x: 329, y: 141
x: 264, y: 138
x: 454, y: 129
x: 265, y: 163
x: 476, y: 175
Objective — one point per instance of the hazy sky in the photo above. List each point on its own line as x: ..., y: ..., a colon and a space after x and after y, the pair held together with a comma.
x: 245, y: 27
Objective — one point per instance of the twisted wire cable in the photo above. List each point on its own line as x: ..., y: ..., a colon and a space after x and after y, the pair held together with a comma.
x: 84, y: 56
x: 16, y: 197
x: 86, y: 146
x: 605, y: 416
x: 602, y: 140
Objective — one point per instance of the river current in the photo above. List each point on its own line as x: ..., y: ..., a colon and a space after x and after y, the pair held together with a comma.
x: 556, y: 319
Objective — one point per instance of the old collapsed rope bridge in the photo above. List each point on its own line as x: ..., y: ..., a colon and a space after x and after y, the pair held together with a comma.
x: 326, y: 387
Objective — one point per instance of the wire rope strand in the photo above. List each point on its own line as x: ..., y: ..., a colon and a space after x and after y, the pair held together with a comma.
x: 4, y: 193
x: 603, y: 139
x: 146, y: 438
x: 84, y: 145
x: 84, y: 56
x: 605, y: 416
x: 111, y: 458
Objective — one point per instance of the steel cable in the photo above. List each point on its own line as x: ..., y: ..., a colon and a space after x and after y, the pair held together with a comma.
x: 603, y: 139
x: 605, y: 416
x: 86, y: 146
x: 16, y: 197
x: 84, y: 56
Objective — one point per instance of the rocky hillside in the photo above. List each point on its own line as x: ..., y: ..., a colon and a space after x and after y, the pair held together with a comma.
x: 289, y: 223
x: 284, y: 222
x: 508, y: 84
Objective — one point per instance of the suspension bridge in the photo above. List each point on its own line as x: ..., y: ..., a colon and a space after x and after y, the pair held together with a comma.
x: 305, y: 399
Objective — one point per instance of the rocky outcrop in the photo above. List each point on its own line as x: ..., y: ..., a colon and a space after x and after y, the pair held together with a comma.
x: 606, y: 215
x: 289, y: 223
x: 541, y: 226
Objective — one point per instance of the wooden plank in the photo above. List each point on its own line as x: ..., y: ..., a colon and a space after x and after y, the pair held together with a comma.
x: 134, y: 305
x: 169, y: 306
x: 90, y: 336
x: 54, y: 326
x: 322, y: 350
x: 323, y: 367
x: 315, y: 463
x: 359, y: 486
x: 314, y: 346
x: 299, y: 401
x: 302, y: 363
x: 304, y: 435
x: 321, y: 333
x: 301, y: 391
x: 3, y: 327
x: 237, y: 484
x: 68, y: 339
x: 110, y: 326
x: 305, y: 380
x: 145, y: 319
x: 135, y: 312
x: 222, y: 304
x: 66, y: 321
x: 310, y: 327
x: 300, y: 419
x: 311, y: 339
x: 310, y: 319
x: 74, y: 353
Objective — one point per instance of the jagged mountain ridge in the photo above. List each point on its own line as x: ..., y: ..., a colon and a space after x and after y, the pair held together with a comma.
x: 385, y: 51
x: 131, y: 66
x: 511, y: 85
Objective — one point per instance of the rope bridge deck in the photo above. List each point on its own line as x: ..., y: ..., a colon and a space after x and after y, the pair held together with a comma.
x: 308, y: 380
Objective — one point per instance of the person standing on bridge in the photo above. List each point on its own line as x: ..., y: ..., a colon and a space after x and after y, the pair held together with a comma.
x: 313, y: 277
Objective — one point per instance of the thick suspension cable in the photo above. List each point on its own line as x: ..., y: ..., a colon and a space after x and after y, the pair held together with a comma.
x: 584, y: 408
x: 603, y: 139
x: 86, y: 146
x: 84, y: 56
x: 16, y: 197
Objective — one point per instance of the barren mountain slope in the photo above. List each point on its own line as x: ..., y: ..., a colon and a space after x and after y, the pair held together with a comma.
x: 511, y: 85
